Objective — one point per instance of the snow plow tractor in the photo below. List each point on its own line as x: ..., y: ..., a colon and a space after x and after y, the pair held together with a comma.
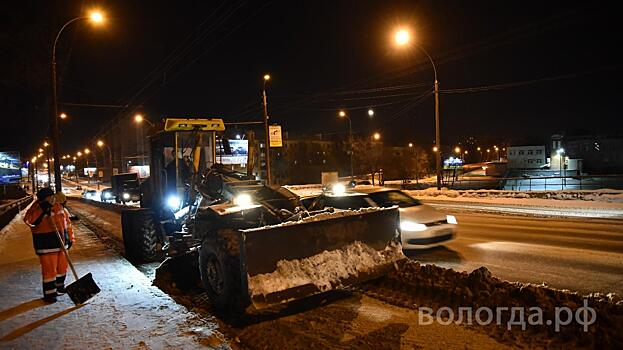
x: 251, y: 245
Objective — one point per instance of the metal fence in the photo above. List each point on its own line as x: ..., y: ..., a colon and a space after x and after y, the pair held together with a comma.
x: 9, y: 210
x: 539, y: 183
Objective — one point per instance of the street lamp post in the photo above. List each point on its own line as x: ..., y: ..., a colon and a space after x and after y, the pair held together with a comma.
x: 101, y: 144
x: 402, y: 38
x: 561, y: 153
x: 95, y: 17
x: 139, y: 119
x: 266, y: 129
x: 350, y: 141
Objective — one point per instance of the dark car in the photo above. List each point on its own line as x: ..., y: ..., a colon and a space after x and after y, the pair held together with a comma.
x: 107, y: 195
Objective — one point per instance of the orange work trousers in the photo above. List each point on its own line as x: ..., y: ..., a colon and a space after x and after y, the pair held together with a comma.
x: 53, y: 269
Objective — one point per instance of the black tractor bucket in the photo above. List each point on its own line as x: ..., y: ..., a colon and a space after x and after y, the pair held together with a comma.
x: 334, y: 250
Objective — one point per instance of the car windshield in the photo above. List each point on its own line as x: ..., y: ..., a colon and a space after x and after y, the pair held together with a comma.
x: 391, y: 198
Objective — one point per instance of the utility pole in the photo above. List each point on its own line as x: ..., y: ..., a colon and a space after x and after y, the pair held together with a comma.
x: 266, y: 130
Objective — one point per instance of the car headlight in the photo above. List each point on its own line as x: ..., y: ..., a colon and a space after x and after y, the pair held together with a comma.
x: 107, y: 195
x: 410, y: 226
x: 126, y: 195
x: 338, y: 189
x: 243, y: 200
x: 451, y: 219
x: 173, y: 202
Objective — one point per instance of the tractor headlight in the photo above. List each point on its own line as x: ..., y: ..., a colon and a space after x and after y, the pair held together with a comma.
x: 126, y: 195
x: 410, y: 226
x: 173, y: 202
x: 243, y: 200
x: 451, y: 219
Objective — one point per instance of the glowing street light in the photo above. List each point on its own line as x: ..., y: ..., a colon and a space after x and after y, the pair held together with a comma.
x: 457, y: 149
x: 63, y: 116
x: 435, y: 149
x: 410, y: 144
x: 266, y: 77
x: 376, y: 136
x: 371, y: 112
x: 79, y: 154
x: 96, y: 17
x: 342, y: 114
x: 402, y: 37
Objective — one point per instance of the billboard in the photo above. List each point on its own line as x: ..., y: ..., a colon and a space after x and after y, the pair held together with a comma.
x: 236, y: 153
x: 89, y: 171
x: 10, y: 167
x: 141, y: 170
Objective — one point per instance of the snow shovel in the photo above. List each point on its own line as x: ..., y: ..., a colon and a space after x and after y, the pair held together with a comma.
x: 82, y: 289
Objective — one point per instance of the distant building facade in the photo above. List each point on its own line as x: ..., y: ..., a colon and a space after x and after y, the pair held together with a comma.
x: 599, y: 154
x: 526, y: 157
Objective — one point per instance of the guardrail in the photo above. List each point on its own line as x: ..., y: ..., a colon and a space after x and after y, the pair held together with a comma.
x: 8, y: 211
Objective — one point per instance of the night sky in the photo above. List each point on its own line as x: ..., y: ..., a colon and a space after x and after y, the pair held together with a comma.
x: 542, y: 67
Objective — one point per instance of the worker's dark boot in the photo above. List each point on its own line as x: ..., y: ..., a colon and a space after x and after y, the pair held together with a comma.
x: 60, y: 284
x: 50, y: 298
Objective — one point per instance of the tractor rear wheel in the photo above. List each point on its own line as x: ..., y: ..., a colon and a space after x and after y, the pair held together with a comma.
x: 140, y: 236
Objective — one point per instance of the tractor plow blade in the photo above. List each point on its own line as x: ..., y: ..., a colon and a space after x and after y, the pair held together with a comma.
x: 295, y: 260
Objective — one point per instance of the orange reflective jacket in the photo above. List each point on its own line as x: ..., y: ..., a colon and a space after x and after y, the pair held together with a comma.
x: 43, y: 229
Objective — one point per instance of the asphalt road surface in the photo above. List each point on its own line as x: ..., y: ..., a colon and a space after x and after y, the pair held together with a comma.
x: 584, y: 255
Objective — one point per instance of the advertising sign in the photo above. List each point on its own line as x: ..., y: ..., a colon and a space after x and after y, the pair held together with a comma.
x: 141, y: 170
x: 236, y: 153
x: 10, y: 167
x: 89, y: 171
x: 275, y: 135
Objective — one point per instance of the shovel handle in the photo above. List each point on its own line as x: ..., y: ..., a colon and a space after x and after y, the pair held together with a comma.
x: 60, y: 240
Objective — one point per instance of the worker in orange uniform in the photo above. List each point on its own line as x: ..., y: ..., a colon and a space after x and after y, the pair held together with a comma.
x: 62, y: 200
x: 44, y: 217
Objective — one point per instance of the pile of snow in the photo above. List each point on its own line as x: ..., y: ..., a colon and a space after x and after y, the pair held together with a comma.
x: 415, y: 285
x: 325, y: 270
x: 603, y: 195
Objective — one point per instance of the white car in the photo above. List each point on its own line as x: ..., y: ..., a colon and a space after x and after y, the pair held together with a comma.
x: 421, y: 226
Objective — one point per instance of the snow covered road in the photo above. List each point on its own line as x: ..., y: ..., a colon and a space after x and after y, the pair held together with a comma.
x: 584, y: 255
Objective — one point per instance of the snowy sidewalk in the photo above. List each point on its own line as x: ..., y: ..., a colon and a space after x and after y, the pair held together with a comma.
x: 128, y: 313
